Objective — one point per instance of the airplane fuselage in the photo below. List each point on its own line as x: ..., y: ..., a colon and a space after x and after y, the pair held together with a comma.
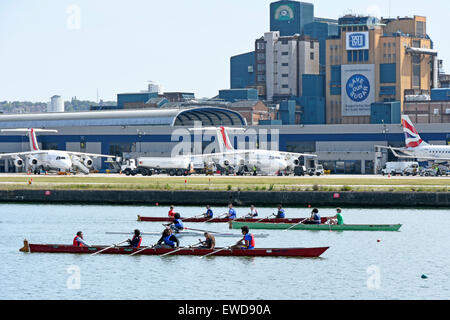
x: 52, y: 161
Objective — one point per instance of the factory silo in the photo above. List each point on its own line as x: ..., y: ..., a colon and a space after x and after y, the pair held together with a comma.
x: 56, y: 104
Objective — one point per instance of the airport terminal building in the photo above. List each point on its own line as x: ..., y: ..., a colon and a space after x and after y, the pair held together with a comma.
x: 343, y: 149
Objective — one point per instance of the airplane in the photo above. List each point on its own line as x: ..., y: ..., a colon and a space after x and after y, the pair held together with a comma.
x: 417, y: 148
x: 50, y: 160
x: 265, y: 161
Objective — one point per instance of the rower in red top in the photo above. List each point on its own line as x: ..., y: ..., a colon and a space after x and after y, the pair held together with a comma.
x: 246, y: 243
x: 78, y: 241
x: 171, y: 212
x: 137, y: 239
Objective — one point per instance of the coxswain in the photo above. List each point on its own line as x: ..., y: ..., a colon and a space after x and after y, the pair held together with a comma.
x: 315, y: 217
x: 281, y: 214
x: 231, y: 212
x: 172, y: 212
x: 337, y: 219
x: 247, y: 242
x: 209, y: 213
x: 177, y: 224
x: 167, y: 240
x: 253, y: 212
x: 135, y: 242
x: 78, y: 241
x: 210, y: 241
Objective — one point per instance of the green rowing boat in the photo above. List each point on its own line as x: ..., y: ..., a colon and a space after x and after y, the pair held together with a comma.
x: 317, y: 227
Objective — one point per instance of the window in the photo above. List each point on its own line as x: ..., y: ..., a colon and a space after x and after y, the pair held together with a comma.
x: 284, y: 42
x: 366, y: 55
x: 285, y: 64
x: 420, y: 28
x: 261, y: 67
x: 285, y: 53
x: 285, y: 75
x: 416, y: 71
x: 349, y: 56
x: 311, y: 44
x: 285, y: 86
x: 261, y: 56
x: 261, y: 78
x: 355, y: 55
x: 311, y: 55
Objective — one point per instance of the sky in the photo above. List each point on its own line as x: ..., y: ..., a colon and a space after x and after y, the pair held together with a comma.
x: 81, y: 47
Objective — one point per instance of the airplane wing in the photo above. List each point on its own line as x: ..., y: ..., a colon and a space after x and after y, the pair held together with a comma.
x: 18, y: 154
x: 251, y: 152
x: 400, y: 153
x: 92, y: 155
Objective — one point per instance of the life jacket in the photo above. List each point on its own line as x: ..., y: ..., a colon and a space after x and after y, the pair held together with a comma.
x: 232, y: 213
x: 171, y: 213
x: 209, y: 213
x: 168, y: 241
x: 281, y: 214
x: 136, y: 241
x: 76, y: 243
x: 251, y: 239
x: 317, y: 218
x: 178, y: 224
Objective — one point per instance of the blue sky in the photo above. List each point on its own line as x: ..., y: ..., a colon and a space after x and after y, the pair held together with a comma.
x: 183, y: 45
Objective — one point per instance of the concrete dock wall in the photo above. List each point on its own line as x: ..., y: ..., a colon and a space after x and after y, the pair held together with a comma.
x: 238, y: 198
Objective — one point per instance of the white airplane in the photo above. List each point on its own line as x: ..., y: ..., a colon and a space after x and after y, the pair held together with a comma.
x: 50, y: 160
x: 265, y: 161
x: 418, y: 149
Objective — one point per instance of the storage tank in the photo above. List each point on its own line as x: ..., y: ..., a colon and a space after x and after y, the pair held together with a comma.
x: 56, y: 104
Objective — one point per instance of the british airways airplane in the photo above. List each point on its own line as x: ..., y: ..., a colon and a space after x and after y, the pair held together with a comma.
x: 50, y: 160
x: 417, y: 148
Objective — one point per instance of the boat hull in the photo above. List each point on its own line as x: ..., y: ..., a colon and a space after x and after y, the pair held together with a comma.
x: 316, y: 227
x: 223, y: 220
x: 274, y: 252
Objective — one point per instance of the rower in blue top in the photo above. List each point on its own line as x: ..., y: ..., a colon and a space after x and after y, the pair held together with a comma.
x: 177, y: 224
x: 315, y: 217
x: 231, y: 212
x: 281, y: 214
x: 209, y: 213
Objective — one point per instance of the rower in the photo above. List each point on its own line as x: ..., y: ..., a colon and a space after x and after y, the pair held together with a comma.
x: 78, y: 241
x: 253, y: 212
x: 281, y: 214
x: 337, y: 219
x: 247, y: 242
x: 315, y: 217
x: 209, y: 243
x: 172, y: 212
x: 231, y: 212
x: 136, y: 241
x: 167, y: 240
x: 209, y: 213
x: 177, y: 224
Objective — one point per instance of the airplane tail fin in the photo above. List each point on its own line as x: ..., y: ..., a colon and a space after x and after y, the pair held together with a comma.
x: 223, y: 140
x: 412, y: 136
x: 31, y: 133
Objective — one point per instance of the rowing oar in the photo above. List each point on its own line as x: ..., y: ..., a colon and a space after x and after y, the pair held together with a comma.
x: 301, y: 222
x: 230, y: 223
x: 113, y: 246
x: 214, y: 252
x: 201, y: 230
x: 183, y: 248
x: 143, y: 250
x: 222, y: 215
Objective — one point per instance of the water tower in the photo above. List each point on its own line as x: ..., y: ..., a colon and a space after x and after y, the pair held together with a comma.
x: 56, y: 104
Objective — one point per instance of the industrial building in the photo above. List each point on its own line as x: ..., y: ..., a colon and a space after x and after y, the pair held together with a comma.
x: 375, y: 61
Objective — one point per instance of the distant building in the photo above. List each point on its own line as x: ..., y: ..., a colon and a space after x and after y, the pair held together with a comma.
x: 242, y: 73
x: 282, y: 61
x: 290, y: 17
x: 56, y: 104
x: 375, y: 61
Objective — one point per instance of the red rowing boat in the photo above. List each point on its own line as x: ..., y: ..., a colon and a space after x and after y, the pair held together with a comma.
x: 259, y: 252
x: 223, y: 220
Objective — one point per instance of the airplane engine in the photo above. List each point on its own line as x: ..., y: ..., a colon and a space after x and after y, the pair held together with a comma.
x: 88, y: 162
x: 225, y: 163
x: 18, y: 162
x: 34, y: 161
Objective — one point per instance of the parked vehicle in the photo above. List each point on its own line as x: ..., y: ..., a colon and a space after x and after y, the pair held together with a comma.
x: 412, y: 170
x: 317, y: 171
x: 148, y: 166
x: 394, y: 168
x: 300, y: 171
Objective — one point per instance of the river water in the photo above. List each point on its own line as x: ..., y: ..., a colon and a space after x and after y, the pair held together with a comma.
x: 359, y: 265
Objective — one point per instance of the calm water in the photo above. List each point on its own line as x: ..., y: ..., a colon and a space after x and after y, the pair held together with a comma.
x: 343, y: 272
